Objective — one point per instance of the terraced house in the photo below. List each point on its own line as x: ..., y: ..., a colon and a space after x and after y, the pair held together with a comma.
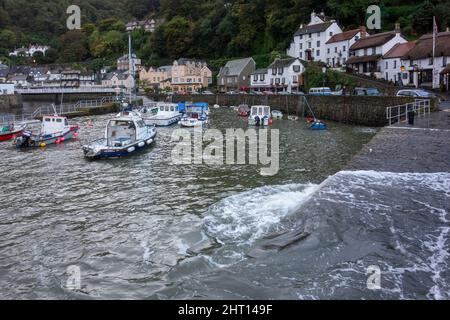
x: 189, y: 75
x: 366, y: 54
x: 310, y: 41
x: 235, y: 75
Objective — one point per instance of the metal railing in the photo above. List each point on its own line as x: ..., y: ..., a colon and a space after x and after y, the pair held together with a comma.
x: 60, y: 109
x: 66, y: 90
x: 396, y: 114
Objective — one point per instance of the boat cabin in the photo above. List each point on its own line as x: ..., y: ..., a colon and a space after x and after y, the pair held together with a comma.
x: 54, y: 124
x: 260, y: 111
x: 125, y: 130
x: 168, y: 108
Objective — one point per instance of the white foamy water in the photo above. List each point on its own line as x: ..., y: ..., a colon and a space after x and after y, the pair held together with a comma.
x: 251, y: 215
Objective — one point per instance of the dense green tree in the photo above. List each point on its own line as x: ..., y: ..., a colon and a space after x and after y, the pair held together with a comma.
x: 74, y: 46
x: 178, y: 37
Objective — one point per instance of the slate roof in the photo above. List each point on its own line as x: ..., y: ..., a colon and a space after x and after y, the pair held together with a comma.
x: 374, y: 40
x: 235, y: 67
x: 320, y: 27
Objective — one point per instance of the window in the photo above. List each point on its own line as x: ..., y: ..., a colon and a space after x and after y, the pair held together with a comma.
x: 335, y: 49
x: 386, y: 76
x: 430, y: 61
x: 309, y: 45
x: 317, y: 52
x: 280, y: 70
x: 66, y: 123
x: 344, y: 48
x: 318, y: 34
x: 271, y: 81
x: 331, y: 33
x: 395, y: 64
x: 294, y: 79
x: 283, y: 80
x: 365, y: 52
x: 255, y: 77
x: 301, y: 37
x: 356, y: 38
x: 444, y: 61
x: 262, y: 77
x: 274, y: 71
x: 277, y: 81
x: 59, y: 120
x: 301, y: 54
x: 310, y: 35
x: 318, y: 44
x: 328, y: 50
x: 387, y: 65
x: 301, y: 46
x: 296, y: 68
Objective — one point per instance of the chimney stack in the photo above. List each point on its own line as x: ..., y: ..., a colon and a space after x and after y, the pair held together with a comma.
x: 363, y: 31
x: 397, y: 28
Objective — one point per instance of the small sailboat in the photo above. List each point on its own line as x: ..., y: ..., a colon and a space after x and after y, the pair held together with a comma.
x: 195, y: 116
x: 276, y: 114
x: 124, y: 135
x: 54, y: 129
x: 161, y: 115
x: 243, y: 111
x: 260, y: 116
x: 10, y: 131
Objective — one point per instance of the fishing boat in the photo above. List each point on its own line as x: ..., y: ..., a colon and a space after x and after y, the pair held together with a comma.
x: 243, y: 110
x: 161, y: 115
x: 10, y: 131
x: 260, y: 116
x: 195, y: 116
x: 293, y: 118
x: 54, y: 129
x: 124, y: 135
x: 276, y: 114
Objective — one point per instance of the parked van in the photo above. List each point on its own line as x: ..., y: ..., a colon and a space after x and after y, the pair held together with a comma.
x: 323, y: 91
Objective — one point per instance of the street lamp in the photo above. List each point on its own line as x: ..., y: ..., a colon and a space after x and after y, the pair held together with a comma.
x: 324, y: 72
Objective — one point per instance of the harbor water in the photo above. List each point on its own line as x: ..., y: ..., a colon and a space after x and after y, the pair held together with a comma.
x: 142, y: 227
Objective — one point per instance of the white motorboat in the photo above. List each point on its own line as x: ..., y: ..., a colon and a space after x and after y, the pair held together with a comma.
x: 161, y: 115
x: 124, y: 135
x: 276, y: 114
x: 195, y: 116
x: 260, y: 116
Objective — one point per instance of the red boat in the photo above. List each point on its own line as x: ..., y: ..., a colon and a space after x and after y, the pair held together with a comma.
x: 310, y: 119
x: 243, y: 110
x: 9, y: 132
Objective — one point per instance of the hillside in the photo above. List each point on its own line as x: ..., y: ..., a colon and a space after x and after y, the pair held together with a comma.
x: 209, y: 29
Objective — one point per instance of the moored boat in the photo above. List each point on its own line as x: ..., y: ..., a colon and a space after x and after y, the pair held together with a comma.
x: 54, y: 129
x: 161, y: 115
x: 276, y: 114
x: 124, y: 135
x: 243, y: 110
x: 195, y: 116
x: 10, y: 131
x: 260, y: 116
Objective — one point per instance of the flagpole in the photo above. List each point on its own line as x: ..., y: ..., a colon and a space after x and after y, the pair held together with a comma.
x: 434, y: 50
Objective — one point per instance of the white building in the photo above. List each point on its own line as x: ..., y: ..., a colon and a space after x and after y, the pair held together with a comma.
x: 285, y: 75
x: 418, y: 62
x: 259, y: 80
x: 124, y: 65
x: 310, y: 40
x: 6, y: 88
x: 338, y: 47
x: 30, y: 51
x: 366, y: 54
x: 391, y: 64
x: 118, y: 80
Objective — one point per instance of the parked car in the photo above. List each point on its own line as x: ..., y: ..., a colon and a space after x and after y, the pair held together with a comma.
x: 232, y: 92
x: 366, y: 92
x: 258, y: 93
x: 322, y: 91
x: 207, y: 92
x: 417, y: 93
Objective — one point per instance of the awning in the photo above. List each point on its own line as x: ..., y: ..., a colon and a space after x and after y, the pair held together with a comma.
x: 372, y: 58
x: 446, y: 69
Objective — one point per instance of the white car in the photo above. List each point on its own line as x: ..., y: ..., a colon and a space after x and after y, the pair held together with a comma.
x: 416, y: 93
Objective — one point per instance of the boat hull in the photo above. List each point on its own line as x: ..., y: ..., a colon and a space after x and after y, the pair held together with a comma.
x: 162, y: 122
x: 262, y: 122
x: 37, y: 141
x: 191, y: 123
x: 108, y: 152
x: 9, y: 135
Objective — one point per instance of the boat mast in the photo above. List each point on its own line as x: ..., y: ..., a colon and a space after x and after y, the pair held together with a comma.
x: 130, y: 64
